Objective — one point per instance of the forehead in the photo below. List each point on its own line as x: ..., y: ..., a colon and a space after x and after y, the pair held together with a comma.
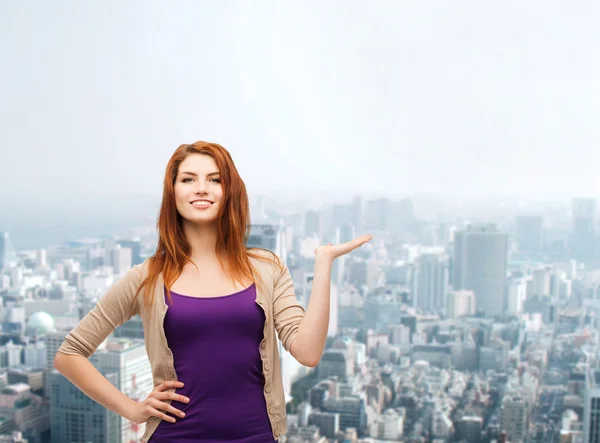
x: 199, y: 163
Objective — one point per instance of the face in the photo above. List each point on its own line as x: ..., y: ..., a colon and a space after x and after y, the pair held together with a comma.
x: 198, y: 190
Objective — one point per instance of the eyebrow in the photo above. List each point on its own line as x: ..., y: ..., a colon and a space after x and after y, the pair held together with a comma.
x: 196, y: 175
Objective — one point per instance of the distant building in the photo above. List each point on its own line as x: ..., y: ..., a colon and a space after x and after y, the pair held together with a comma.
x: 529, y: 233
x: 583, y: 235
x: 8, y: 254
x: 591, y: 407
x: 480, y: 265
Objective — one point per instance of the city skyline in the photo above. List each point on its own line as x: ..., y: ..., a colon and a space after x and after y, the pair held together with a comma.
x: 462, y: 136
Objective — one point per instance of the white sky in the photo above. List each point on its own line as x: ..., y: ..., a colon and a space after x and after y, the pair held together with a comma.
x: 403, y: 97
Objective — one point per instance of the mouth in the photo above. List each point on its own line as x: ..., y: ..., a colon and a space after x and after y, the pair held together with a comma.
x: 201, y: 203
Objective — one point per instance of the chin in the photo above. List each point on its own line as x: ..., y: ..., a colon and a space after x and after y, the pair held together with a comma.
x: 201, y: 219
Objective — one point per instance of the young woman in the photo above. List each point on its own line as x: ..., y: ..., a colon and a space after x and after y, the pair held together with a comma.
x: 212, y: 310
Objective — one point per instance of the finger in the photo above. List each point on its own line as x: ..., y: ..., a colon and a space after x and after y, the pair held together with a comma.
x: 156, y: 413
x: 169, y: 384
x: 364, y: 238
x: 359, y: 241
x: 344, y: 248
x: 162, y: 406
x: 172, y: 396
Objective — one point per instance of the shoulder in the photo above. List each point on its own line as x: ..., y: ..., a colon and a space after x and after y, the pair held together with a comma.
x: 265, y: 260
x: 136, y: 274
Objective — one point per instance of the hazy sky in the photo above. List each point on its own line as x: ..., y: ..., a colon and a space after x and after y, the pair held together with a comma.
x: 462, y: 97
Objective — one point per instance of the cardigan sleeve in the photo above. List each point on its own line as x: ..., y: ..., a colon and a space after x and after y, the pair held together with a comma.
x: 287, y: 311
x: 113, y: 309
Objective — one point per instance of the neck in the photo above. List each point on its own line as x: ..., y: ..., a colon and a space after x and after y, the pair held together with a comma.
x: 202, y: 240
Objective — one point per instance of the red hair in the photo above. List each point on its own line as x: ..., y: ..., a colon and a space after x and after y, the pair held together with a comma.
x: 233, y: 224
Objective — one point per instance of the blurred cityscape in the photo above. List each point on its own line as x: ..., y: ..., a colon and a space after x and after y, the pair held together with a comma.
x: 452, y: 329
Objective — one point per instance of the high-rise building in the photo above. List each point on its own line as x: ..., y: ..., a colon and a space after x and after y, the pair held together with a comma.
x: 120, y: 258
x: 515, y: 418
x: 583, y: 230
x: 529, y: 233
x: 135, y: 247
x: 75, y: 417
x: 267, y: 236
x: 469, y: 428
x: 378, y: 214
x: 8, y: 254
x: 356, y: 213
x: 52, y: 342
x: 591, y: 407
x: 480, y: 265
x: 313, y: 224
x: 430, y: 282
x: 516, y: 294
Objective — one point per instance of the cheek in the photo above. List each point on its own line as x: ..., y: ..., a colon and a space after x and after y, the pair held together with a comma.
x: 179, y: 195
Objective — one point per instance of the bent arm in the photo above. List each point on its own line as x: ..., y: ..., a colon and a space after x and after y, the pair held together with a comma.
x: 112, y: 310
x: 82, y: 373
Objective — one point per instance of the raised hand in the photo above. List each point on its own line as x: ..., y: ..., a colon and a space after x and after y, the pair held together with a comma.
x: 331, y: 251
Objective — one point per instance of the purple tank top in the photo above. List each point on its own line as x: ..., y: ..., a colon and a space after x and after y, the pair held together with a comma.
x: 215, y: 343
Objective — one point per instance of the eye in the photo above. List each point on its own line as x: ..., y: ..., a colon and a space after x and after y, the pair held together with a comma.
x: 216, y: 180
x: 185, y: 180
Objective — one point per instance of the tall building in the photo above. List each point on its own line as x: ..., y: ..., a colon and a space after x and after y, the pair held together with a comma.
x: 516, y: 294
x: 515, y: 418
x: 378, y: 214
x: 356, y: 213
x: 120, y: 258
x: 268, y: 236
x: 480, y: 265
x: 135, y: 247
x: 583, y: 236
x: 76, y: 417
x: 8, y: 254
x: 52, y: 342
x: 529, y: 233
x: 313, y: 224
x: 591, y: 407
x: 430, y: 282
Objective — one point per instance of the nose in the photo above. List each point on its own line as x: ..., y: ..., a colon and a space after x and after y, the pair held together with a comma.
x: 201, y: 187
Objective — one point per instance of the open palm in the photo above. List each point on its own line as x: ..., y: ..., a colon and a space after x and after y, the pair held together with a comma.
x: 332, y: 252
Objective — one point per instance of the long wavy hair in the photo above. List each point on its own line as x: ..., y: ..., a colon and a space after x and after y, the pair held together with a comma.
x: 233, y: 225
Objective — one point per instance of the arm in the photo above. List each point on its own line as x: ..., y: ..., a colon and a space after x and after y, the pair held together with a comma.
x: 312, y: 333
x: 304, y: 334
x: 80, y: 371
x: 113, y: 309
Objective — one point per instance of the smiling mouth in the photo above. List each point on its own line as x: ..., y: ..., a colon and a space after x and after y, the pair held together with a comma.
x: 201, y: 203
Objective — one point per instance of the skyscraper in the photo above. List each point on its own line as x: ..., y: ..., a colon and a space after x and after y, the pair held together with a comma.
x: 430, y: 282
x: 529, y: 233
x: 135, y: 247
x: 583, y: 234
x: 313, y: 224
x: 267, y: 236
x: 480, y: 264
x: 7, y: 252
x: 75, y: 417
x: 591, y: 407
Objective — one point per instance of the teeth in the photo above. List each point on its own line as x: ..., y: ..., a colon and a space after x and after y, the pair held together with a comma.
x: 202, y: 203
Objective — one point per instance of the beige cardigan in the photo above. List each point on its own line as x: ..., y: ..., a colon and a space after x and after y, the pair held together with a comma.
x: 277, y: 298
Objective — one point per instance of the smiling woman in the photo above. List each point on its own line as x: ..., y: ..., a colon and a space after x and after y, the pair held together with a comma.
x: 212, y: 311
x: 196, y: 189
